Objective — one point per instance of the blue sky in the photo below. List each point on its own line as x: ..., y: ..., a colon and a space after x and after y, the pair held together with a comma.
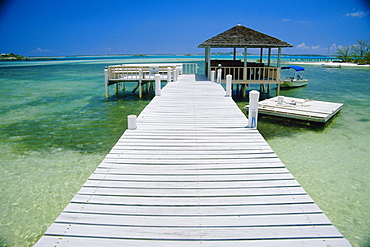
x: 80, y: 27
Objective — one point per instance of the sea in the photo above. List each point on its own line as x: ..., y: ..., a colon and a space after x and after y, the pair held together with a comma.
x: 56, y: 126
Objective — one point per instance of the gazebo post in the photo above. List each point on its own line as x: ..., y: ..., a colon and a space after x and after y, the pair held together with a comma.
x: 261, y: 53
x: 262, y: 86
x: 208, y: 61
x: 234, y: 53
x: 278, y: 69
x: 245, y: 63
x: 268, y: 65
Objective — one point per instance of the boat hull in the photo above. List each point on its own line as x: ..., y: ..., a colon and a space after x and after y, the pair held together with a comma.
x: 294, y: 83
x: 338, y: 66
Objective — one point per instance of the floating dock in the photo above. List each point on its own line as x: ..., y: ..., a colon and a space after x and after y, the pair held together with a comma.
x: 192, y: 174
x: 302, y: 109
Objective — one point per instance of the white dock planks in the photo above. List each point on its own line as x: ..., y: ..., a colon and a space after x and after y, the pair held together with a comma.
x: 191, y: 174
x: 303, y: 109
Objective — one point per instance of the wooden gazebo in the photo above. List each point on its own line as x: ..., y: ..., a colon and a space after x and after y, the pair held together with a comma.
x: 244, y: 72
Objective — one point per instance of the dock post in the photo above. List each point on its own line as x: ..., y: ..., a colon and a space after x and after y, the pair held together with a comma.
x: 178, y: 71
x: 219, y: 73
x: 131, y: 122
x: 174, y: 76
x: 253, y: 109
x: 168, y: 74
x: 213, y: 76
x: 106, y: 83
x: 228, y: 85
x: 140, y: 81
x: 117, y: 88
x: 157, y: 79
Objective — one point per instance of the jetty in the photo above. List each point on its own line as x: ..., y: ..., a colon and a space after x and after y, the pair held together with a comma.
x: 301, y: 109
x: 190, y: 171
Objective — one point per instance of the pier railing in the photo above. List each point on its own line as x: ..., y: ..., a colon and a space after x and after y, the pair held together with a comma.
x: 142, y: 73
x: 190, y: 68
x: 251, y: 75
x: 145, y: 73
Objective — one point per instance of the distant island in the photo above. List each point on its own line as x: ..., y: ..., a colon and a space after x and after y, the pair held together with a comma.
x: 13, y: 57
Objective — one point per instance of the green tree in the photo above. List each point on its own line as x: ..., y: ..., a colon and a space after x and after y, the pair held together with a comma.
x: 344, y: 54
x: 360, y: 50
x: 358, y: 53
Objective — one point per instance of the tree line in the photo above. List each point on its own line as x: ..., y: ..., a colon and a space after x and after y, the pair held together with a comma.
x: 358, y: 53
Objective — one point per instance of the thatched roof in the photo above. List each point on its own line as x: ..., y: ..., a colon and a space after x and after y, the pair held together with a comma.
x: 241, y: 36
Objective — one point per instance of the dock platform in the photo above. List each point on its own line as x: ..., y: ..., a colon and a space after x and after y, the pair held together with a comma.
x: 302, y: 109
x: 192, y: 174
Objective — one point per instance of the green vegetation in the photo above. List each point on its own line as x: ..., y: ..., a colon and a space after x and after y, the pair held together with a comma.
x: 12, y: 56
x: 358, y: 53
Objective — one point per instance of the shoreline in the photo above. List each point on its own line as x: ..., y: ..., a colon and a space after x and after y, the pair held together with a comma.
x: 327, y: 63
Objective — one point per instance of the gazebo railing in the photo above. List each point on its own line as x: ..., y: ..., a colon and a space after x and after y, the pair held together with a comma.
x: 252, y: 75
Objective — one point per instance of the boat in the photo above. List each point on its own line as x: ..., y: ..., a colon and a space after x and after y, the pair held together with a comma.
x: 296, y: 80
x: 331, y: 65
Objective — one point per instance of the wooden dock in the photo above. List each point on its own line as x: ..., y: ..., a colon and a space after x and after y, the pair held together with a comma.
x: 302, y: 109
x: 192, y: 174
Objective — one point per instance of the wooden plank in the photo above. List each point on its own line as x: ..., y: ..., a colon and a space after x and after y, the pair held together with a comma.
x: 193, y: 233
x: 170, y: 192
x: 190, y: 202
x: 193, y: 178
x: 48, y: 241
x: 173, y: 170
x: 226, y: 210
x: 188, y: 221
x: 195, y: 184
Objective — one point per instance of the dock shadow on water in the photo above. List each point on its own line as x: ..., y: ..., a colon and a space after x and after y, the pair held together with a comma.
x: 275, y: 127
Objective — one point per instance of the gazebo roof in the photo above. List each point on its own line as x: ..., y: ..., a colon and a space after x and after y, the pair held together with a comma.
x: 241, y: 36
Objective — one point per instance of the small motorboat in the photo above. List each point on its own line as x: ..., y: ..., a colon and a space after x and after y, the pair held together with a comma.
x: 296, y: 79
x: 331, y: 65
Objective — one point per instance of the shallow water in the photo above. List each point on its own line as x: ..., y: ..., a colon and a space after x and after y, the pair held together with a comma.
x: 56, y: 127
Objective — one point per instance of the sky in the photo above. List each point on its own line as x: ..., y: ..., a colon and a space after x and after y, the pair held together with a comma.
x: 112, y: 27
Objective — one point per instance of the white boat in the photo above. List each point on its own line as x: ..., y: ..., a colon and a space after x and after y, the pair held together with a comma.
x: 296, y: 79
x: 331, y: 65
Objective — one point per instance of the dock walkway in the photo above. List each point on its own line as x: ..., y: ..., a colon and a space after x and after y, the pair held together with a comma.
x: 191, y: 174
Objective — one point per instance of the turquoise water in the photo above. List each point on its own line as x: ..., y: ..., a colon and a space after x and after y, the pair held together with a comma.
x: 56, y: 127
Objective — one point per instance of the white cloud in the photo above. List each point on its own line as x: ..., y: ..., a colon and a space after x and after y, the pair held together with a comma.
x: 359, y: 14
x: 303, y: 46
x: 317, y: 49
x: 38, y: 50
x: 286, y: 19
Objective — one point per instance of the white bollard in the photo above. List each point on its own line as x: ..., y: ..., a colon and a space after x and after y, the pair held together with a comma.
x: 219, y: 73
x: 213, y: 76
x: 169, y: 74
x: 253, y: 109
x: 228, y: 85
x: 131, y: 122
x: 157, y: 78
